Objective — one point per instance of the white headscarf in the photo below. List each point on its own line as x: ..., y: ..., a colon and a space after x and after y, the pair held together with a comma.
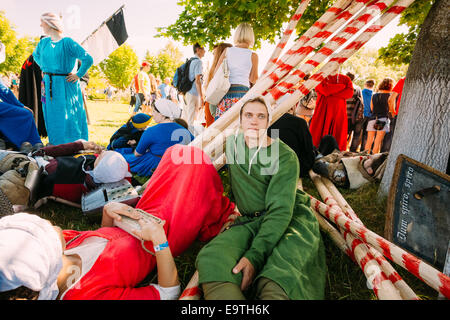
x: 30, y: 255
x: 53, y: 20
x: 168, y: 109
x: 2, y: 53
x: 269, y: 112
x: 112, y: 168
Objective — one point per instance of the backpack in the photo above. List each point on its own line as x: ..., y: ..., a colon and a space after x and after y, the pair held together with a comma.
x: 181, y: 79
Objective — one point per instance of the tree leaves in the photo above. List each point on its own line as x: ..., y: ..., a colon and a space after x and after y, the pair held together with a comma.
x: 165, y: 63
x: 121, y: 66
x: 210, y: 22
x: 17, y: 50
x: 401, y: 47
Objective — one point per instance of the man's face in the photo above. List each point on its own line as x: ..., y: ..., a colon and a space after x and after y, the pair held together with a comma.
x: 255, y: 119
x: 201, y: 52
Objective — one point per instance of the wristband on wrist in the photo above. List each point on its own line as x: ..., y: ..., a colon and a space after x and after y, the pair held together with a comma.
x: 161, y: 247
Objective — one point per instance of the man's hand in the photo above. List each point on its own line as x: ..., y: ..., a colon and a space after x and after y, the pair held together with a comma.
x: 88, y: 145
x: 151, y: 231
x: 131, y: 142
x: 72, y: 77
x: 248, y: 272
x: 114, y: 210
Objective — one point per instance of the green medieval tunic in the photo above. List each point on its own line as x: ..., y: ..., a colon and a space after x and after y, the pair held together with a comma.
x: 284, y: 244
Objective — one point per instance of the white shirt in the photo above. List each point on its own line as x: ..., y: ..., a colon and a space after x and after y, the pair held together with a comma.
x: 240, y: 65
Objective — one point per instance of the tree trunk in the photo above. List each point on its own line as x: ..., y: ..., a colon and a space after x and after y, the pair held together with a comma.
x: 423, y: 131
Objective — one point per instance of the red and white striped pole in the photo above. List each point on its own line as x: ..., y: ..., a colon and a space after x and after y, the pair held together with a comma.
x: 216, y: 133
x: 355, y: 26
x: 338, y: 59
x: 434, y: 278
x: 266, y: 82
x: 286, y: 35
x: 382, y: 286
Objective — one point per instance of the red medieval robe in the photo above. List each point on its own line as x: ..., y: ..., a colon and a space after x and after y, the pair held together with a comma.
x: 186, y: 191
x: 330, y: 116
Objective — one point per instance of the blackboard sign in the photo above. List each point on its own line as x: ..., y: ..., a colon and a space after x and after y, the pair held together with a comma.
x: 418, y: 211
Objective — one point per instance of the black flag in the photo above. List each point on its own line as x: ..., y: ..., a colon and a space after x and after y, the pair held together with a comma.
x: 107, y: 38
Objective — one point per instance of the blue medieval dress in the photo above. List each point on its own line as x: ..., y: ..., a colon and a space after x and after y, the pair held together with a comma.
x: 64, y: 113
x: 16, y: 123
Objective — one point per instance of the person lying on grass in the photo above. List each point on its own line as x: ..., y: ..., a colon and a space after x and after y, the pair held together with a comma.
x: 67, y: 175
x: 109, y: 263
x: 170, y: 130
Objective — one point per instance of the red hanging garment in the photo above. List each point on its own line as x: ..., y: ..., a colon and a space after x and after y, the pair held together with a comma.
x: 330, y: 116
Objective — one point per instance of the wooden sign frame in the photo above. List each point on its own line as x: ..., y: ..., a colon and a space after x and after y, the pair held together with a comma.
x: 391, y: 205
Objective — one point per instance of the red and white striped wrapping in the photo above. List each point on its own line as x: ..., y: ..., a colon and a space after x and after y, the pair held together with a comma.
x: 338, y: 59
x: 192, y: 291
x: 405, y: 291
x: 434, y: 278
x: 212, y: 141
x: 313, y: 39
x: 266, y: 82
x: 286, y: 35
x: 382, y: 286
x: 355, y: 26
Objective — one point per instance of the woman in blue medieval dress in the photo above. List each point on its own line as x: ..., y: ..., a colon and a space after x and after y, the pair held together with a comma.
x: 64, y: 113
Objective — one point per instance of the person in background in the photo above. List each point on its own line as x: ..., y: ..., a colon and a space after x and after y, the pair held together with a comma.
x: 293, y: 130
x: 355, y: 116
x: 168, y: 91
x: 157, y: 139
x: 305, y: 108
x: 194, y: 98
x: 143, y: 83
x: 17, y: 125
x: 129, y: 135
x: 57, y: 56
x: 394, y: 104
x: 367, y: 93
x: 243, y: 66
x: 379, y: 123
x: 330, y: 115
x: 210, y: 110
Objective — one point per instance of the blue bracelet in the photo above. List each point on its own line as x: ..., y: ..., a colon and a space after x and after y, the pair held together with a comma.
x: 161, y: 247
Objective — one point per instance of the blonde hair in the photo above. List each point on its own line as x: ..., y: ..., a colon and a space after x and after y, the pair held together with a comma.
x: 244, y: 34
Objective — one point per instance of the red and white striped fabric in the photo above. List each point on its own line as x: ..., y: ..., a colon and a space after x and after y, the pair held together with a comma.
x: 286, y: 35
x: 434, y: 278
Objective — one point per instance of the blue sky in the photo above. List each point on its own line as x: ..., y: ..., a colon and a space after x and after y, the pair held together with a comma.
x: 142, y: 18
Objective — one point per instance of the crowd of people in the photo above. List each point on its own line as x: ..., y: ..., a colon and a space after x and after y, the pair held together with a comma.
x: 273, y: 248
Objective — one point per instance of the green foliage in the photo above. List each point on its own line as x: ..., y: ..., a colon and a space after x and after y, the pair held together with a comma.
x: 165, y: 63
x: 401, y: 47
x: 121, y: 66
x: 209, y: 22
x: 365, y: 64
x: 17, y: 50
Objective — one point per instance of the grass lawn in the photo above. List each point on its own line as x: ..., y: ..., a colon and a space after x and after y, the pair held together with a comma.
x: 345, y: 280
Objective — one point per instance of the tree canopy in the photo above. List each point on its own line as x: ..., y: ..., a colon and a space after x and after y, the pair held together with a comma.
x: 121, y: 66
x: 165, y: 63
x: 401, y: 46
x: 17, y: 49
x: 211, y: 21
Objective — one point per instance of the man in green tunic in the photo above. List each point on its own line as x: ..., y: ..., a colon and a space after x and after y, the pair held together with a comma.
x: 276, y: 243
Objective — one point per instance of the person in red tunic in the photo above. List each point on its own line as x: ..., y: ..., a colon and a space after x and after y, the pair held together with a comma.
x: 113, y: 262
x: 330, y: 116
